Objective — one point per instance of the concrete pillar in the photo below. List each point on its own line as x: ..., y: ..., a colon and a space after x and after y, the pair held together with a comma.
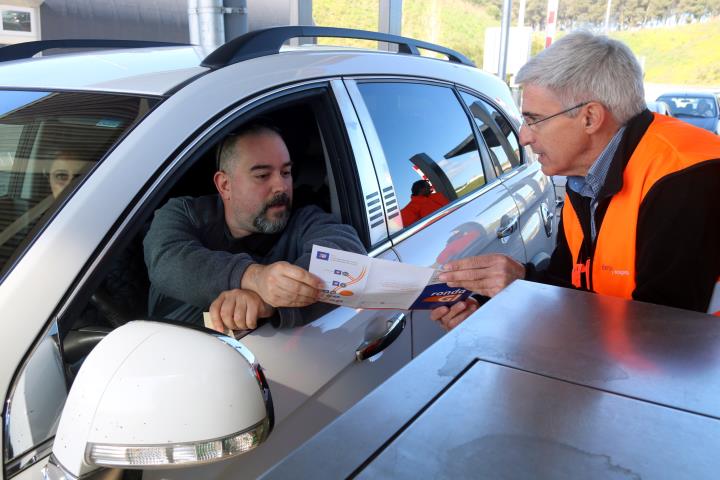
x: 504, y: 38
x: 273, y: 13
x: 390, y: 17
x: 390, y: 21
x: 301, y: 12
x: 236, y: 18
x: 205, y: 18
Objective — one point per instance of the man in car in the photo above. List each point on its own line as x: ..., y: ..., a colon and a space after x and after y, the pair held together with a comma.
x: 422, y: 203
x: 242, y: 252
x: 640, y: 219
x: 705, y: 109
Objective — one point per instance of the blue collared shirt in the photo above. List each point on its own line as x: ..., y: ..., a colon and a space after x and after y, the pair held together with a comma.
x: 589, y: 186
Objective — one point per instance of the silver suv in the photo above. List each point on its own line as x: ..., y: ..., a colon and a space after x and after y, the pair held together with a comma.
x: 133, y: 127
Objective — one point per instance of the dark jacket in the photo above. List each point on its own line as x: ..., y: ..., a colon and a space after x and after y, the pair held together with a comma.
x: 191, y: 257
x: 678, y: 230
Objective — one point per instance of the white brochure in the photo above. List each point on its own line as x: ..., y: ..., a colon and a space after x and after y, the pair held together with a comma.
x: 358, y: 281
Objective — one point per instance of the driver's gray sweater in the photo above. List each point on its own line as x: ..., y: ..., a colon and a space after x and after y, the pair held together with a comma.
x: 191, y: 257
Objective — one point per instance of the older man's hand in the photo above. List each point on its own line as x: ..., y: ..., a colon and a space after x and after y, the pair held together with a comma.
x: 282, y: 284
x: 238, y: 310
x: 483, y: 274
x: 451, y: 317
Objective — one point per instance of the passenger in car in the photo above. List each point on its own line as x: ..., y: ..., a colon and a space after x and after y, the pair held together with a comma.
x: 705, y: 109
x: 242, y: 253
x: 64, y: 167
x: 422, y: 202
x: 640, y: 219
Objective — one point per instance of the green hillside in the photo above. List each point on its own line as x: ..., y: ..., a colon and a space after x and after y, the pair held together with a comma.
x: 686, y: 54
x: 457, y: 24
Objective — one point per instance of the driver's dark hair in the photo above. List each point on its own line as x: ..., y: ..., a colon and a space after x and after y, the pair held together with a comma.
x: 420, y: 186
x: 226, y: 148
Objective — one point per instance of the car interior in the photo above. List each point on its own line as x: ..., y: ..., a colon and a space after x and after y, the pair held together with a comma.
x: 41, y: 132
x: 117, y: 291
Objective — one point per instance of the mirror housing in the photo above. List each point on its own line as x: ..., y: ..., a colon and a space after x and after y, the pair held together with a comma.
x: 154, y: 395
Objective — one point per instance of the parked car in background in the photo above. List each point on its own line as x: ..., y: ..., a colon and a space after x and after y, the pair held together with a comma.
x: 701, y: 109
x: 361, y: 126
x: 660, y: 107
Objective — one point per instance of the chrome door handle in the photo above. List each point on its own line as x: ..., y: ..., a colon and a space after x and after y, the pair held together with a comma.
x: 508, y: 229
x: 369, y: 348
x: 547, y: 217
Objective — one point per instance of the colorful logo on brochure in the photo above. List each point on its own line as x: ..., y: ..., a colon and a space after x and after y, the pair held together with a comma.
x: 322, y: 255
x: 344, y: 281
x: 439, y: 294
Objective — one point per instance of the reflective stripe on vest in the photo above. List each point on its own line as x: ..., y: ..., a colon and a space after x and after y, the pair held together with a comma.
x: 668, y: 146
x: 714, y: 307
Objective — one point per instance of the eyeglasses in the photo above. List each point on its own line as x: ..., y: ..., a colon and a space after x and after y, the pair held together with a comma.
x: 532, y: 125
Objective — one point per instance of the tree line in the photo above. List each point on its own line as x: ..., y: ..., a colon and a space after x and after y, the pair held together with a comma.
x: 624, y: 14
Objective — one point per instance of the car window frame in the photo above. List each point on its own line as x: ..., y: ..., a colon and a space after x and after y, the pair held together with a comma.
x: 397, y: 230
x: 167, y: 175
x: 134, y: 217
x: 27, y: 145
x: 506, y: 146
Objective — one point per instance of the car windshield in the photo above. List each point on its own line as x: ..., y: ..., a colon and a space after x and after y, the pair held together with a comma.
x: 690, y: 106
x: 49, y: 141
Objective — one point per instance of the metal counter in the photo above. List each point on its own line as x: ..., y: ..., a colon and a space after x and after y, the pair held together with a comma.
x: 541, y: 382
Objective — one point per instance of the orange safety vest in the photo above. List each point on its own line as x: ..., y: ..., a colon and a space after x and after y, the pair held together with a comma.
x: 668, y: 146
x: 714, y: 307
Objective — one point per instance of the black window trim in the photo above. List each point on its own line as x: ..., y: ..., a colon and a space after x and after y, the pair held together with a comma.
x: 485, y: 161
x: 146, y: 201
x: 507, y: 148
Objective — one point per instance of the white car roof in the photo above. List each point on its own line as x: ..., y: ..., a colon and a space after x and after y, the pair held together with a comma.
x: 149, y: 71
x: 160, y: 70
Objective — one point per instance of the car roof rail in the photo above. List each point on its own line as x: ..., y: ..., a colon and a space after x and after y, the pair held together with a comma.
x: 268, y: 41
x: 23, y: 50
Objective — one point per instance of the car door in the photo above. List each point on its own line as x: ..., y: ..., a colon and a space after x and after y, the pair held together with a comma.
x: 41, y: 250
x: 313, y: 371
x: 421, y: 131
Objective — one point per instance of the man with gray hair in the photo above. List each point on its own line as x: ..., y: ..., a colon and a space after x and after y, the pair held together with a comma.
x: 641, y: 218
x: 242, y: 253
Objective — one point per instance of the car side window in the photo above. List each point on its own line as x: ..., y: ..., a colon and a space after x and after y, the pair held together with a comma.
x: 498, y: 134
x: 121, y: 290
x: 49, y: 141
x: 9, y: 141
x: 428, y: 143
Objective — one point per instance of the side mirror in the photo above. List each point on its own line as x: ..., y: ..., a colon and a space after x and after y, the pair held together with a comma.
x: 154, y: 395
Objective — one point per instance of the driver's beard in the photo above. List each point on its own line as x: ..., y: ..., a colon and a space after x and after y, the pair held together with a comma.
x: 264, y: 224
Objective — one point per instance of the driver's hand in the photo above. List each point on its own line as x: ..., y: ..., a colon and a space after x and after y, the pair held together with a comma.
x: 238, y: 310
